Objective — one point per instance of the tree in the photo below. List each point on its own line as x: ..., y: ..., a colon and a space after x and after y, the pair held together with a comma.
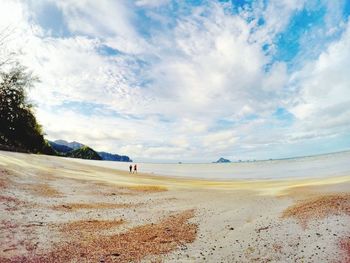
x: 19, y: 129
x: 18, y: 125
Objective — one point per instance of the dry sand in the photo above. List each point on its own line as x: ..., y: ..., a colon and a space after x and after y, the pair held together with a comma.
x: 57, y: 210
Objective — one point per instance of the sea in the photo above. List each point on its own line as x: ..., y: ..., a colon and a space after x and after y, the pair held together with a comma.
x: 334, y: 164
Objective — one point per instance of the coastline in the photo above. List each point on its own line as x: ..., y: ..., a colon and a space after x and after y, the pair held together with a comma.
x: 95, y: 172
x: 298, y: 168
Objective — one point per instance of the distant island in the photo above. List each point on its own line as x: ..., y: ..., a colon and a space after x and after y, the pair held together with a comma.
x: 78, y: 150
x: 222, y: 160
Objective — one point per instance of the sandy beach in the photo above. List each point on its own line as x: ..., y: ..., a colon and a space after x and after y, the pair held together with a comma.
x: 60, y: 210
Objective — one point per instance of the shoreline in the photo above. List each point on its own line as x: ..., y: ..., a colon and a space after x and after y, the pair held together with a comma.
x: 120, y: 177
x: 313, y: 167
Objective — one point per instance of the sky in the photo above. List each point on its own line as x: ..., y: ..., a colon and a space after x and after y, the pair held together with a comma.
x: 188, y: 80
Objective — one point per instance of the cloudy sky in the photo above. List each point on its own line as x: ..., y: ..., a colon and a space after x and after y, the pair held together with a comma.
x: 189, y: 80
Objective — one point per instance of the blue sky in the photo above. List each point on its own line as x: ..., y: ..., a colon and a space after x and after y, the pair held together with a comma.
x: 169, y: 81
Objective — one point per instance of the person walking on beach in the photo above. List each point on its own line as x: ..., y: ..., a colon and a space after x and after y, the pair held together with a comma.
x: 130, y: 168
x: 135, y: 169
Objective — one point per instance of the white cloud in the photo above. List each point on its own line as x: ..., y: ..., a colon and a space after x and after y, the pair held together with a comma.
x: 276, y: 16
x: 323, y: 102
x: 222, y: 142
x: 152, y: 3
x: 214, y: 67
x: 109, y: 20
x: 12, y: 14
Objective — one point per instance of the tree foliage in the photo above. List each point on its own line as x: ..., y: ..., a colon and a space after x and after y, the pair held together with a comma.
x: 18, y: 125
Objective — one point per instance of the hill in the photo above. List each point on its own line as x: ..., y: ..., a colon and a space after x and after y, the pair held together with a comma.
x: 74, y: 145
x: 114, y: 157
x: 78, y: 150
x: 84, y: 152
x: 60, y: 148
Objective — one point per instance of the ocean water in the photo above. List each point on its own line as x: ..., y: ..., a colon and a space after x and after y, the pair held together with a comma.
x: 336, y: 164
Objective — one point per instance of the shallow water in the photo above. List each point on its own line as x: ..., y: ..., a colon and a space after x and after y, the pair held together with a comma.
x: 337, y: 164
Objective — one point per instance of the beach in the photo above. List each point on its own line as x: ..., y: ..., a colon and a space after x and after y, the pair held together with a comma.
x: 57, y: 209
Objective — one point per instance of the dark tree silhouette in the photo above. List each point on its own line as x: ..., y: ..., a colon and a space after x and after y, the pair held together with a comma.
x: 19, y: 129
x: 18, y: 126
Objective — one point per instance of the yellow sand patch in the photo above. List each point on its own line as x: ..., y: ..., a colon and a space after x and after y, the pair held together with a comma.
x: 147, y: 188
x: 47, y: 175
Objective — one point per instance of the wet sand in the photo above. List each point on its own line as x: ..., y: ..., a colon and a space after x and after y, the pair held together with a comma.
x: 58, y: 210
